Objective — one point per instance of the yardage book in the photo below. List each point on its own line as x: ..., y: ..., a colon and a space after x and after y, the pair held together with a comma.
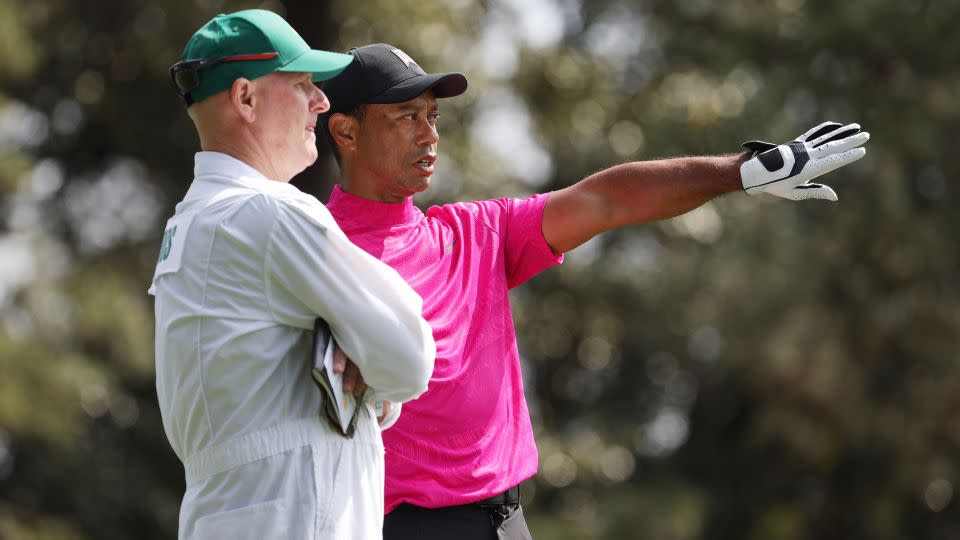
x: 341, y: 410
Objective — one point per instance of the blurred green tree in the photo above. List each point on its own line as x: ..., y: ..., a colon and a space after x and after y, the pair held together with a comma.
x: 754, y: 369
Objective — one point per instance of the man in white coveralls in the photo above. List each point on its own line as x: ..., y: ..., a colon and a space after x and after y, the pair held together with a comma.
x: 247, y: 263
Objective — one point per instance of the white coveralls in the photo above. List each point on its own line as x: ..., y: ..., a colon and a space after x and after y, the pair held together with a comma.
x: 246, y: 266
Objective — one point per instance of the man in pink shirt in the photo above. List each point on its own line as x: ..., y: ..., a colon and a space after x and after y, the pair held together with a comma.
x: 456, y: 456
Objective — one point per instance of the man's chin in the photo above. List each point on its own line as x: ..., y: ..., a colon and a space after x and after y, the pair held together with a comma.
x: 307, y: 161
x: 311, y: 156
x: 420, y: 184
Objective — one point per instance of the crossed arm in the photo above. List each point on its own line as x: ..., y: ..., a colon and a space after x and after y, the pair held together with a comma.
x: 636, y: 192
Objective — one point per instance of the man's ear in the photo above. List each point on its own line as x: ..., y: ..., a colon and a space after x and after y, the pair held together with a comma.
x: 243, y: 98
x: 343, y: 129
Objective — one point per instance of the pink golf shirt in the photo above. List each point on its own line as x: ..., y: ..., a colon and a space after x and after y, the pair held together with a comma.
x: 468, y: 437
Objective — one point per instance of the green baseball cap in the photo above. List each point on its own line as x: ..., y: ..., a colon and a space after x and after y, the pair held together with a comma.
x: 249, y: 44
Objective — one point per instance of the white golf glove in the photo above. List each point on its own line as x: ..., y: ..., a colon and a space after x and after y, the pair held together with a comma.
x: 786, y: 170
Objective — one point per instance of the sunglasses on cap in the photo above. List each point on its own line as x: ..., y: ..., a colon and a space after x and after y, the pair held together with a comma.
x: 185, y: 75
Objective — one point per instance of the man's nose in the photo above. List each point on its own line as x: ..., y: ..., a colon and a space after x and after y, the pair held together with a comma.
x: 429, y: 134
x: 320, y: 103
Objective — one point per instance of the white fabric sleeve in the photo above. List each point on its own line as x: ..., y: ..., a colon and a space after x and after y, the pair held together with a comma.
x: 375, y: 317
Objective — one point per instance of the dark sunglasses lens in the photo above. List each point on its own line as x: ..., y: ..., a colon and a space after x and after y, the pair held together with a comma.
x: 186, y: 78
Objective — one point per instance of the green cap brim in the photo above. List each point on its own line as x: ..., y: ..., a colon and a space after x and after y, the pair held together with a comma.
x: 323, y: 64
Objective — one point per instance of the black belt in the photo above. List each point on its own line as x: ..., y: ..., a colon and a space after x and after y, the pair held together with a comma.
x: 508, y: 497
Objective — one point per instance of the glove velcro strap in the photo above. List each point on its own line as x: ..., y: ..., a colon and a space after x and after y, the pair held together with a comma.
x: 763, y: 169
x: 758, y: 146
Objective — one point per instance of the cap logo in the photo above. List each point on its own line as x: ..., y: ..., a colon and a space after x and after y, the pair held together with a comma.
x: 409, y: 62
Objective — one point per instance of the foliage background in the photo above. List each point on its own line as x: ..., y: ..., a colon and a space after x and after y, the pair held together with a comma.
x: 755, y: 369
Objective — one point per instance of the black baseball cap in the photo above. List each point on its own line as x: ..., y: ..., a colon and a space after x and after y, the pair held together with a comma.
x: 382, y: 73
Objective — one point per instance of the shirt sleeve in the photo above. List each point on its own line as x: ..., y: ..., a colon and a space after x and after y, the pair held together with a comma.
x: 519, y: 222
x: 312, y: 269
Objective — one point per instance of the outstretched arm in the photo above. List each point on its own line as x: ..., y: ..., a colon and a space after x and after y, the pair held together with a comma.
x: 636, y: 192
x: 651, y: 190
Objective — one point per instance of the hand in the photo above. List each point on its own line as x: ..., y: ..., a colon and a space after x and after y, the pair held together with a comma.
x: 352, y: 378
x: 786, y: 170
x: 387, y: 413
x: 386, y: 406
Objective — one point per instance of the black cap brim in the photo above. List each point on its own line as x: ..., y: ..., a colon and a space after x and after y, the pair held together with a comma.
x: 444, y: 85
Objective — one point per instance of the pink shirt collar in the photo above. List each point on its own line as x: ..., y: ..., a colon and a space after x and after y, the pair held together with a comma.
x: 352, y: 212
